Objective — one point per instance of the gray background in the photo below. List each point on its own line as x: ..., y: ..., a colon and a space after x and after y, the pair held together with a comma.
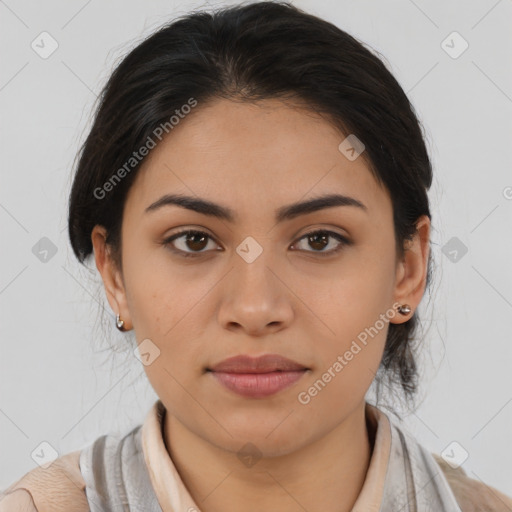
x: 60, y: 383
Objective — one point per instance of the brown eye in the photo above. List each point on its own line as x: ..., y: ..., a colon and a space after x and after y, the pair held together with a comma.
x: 188, y: 242
x: 196, y: 241
x: 321, y: 239
x: 318, y: 241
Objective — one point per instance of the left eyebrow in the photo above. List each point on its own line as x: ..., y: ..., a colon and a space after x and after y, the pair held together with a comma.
x: 288, y: 212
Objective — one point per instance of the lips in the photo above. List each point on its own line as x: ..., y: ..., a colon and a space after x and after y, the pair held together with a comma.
x: 257, y: 377
x: 263, y: 364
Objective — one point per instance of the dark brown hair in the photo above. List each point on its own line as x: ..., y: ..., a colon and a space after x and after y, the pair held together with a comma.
x: 247, y: 53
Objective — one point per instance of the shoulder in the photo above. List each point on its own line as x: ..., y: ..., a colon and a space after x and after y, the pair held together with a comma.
x: 59, y: 487
x: 473, y: 495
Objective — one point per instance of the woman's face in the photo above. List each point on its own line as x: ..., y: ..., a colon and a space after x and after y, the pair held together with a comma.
x: 254, y: 284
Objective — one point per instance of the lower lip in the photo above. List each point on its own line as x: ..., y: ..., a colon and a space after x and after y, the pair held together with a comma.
x: 258, y: 385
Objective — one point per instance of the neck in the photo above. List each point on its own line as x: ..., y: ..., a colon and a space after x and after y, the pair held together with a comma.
x: 326, y: 474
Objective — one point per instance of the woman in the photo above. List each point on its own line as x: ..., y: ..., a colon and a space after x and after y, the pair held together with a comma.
x: 254, y: 192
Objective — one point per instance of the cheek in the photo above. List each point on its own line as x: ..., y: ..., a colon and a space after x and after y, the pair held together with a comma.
x: 359, y: 341
x: 349, y: 363
x: 151, y: 289
x: 355, y: 296
x: 146, y: 303
x: 168, y: 311
x: 356, y: 308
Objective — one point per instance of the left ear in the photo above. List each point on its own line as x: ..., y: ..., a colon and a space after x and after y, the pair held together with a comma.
x: 411, y: 272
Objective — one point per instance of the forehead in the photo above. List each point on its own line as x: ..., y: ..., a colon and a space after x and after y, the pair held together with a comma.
x: 254, y: 157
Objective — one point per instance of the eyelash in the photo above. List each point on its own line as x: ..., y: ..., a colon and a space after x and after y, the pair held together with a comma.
x: 168, y: 242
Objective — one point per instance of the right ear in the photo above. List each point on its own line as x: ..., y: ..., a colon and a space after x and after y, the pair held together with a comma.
x: 111, y: 275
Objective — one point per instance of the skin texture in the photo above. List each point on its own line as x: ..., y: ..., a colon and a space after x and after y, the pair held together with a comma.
x: 255, y: 158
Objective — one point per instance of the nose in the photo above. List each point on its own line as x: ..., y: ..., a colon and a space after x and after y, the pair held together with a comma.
x: 256, y: 298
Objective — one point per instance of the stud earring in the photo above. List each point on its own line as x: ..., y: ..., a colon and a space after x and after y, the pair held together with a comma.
x: 404, y: 309
x: 119, y: 323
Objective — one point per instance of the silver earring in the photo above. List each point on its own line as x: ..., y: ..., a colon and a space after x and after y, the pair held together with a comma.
x: 119, y: 323
x: 404, y: 309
